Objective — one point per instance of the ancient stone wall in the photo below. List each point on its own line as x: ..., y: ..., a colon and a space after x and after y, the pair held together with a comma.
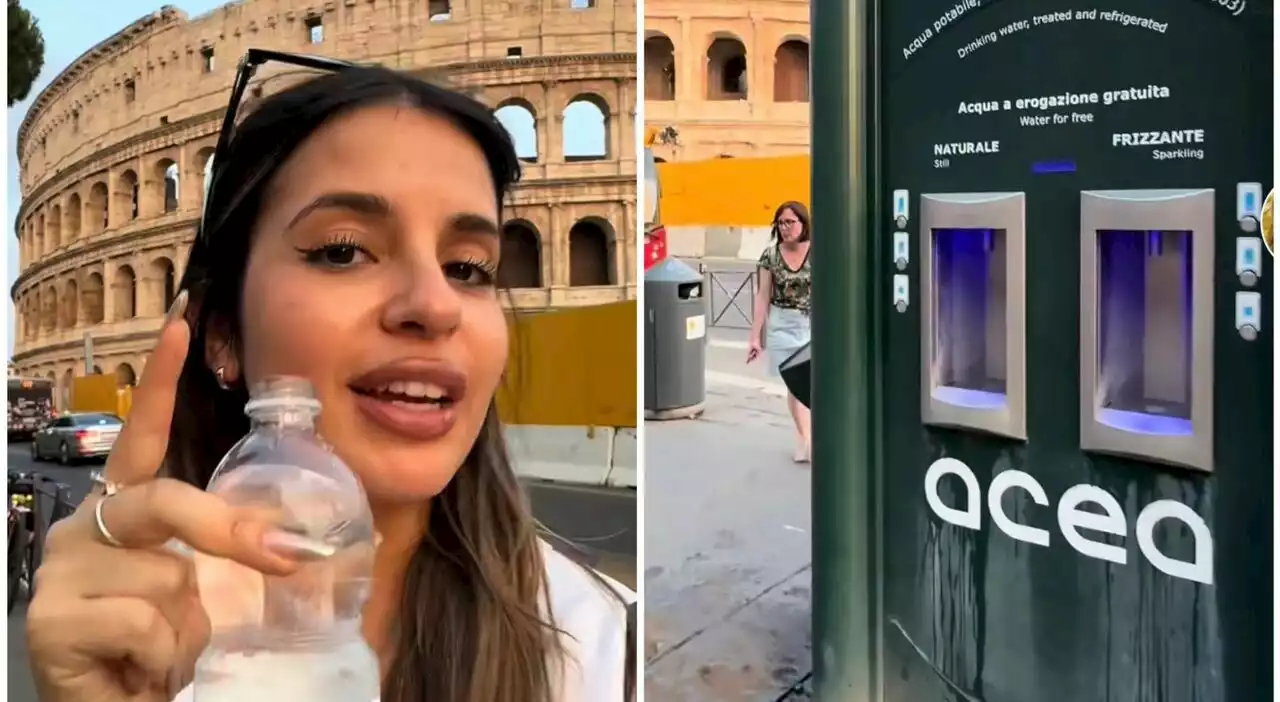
x: 730, y: 78
x: 113, y: 153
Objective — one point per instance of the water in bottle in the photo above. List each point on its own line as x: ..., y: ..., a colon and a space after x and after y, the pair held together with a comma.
x: 297, y: 637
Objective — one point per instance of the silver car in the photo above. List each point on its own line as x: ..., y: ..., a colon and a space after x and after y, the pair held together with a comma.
x: 72, y: 437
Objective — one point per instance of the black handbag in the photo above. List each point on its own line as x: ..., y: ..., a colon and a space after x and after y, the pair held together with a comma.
x: 796, y: 374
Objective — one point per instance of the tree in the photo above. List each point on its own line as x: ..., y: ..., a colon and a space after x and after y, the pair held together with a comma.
x: 26, y: 52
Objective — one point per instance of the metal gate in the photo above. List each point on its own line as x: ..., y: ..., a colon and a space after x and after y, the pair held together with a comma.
x: 731, y: 297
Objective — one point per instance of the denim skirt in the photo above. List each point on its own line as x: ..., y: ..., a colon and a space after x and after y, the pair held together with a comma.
x: 786, y: 331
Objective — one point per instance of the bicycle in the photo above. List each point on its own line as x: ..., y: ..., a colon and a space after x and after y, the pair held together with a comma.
x: 35, y: 503
x: 21, y: 539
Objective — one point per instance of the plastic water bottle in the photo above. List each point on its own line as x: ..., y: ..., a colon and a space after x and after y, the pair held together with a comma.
x: 280, y: 639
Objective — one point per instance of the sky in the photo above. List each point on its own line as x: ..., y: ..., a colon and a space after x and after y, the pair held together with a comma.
x: 72, y: 27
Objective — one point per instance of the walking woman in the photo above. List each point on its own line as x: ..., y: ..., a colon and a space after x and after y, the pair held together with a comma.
x: 351, y: 237
x: 781, y: 321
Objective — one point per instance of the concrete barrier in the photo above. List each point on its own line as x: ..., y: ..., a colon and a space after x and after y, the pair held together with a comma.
x: 578, y: 455
x: 742, y: 243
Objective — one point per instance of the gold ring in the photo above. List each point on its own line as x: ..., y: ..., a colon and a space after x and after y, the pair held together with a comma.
x: 103, y: 531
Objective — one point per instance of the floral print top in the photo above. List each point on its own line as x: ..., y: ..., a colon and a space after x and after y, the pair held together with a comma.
x: 791, y: 288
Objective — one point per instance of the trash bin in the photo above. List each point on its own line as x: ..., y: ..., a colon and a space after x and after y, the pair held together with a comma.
x: 675, y: 353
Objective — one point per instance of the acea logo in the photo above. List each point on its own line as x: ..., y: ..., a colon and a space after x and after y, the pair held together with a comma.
x: 1074, y: 523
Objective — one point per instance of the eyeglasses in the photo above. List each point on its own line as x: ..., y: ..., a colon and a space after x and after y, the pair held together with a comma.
x: 249, y: 64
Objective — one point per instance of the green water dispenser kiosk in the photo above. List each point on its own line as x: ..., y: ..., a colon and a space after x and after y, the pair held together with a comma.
x: 1043, y: 405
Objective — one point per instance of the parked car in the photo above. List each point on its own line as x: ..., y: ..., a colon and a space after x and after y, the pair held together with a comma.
x: 75, y: 436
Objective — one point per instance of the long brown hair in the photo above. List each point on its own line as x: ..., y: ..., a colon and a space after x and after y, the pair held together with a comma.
x: 474, y: 623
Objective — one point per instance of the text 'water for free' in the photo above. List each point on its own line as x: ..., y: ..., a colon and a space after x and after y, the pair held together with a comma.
x: 295, y: 637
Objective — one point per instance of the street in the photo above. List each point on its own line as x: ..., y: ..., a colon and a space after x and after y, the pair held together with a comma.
x: 727, y: 533
x: 76, y: 477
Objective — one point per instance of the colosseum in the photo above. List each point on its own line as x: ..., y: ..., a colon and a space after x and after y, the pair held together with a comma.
x: 113, y: 154
x: 727, y: 79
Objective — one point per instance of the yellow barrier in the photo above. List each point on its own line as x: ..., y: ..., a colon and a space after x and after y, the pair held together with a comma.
x: 572, y: 367
x: 99, y: 393
x: 731, y: 192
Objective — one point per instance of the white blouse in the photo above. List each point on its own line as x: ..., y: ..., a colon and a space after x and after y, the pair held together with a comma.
x: 594, y: 623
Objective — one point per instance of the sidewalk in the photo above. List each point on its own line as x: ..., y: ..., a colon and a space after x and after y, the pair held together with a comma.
x: 726, y: 542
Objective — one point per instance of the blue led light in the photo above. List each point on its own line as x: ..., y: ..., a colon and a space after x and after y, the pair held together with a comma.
x: 1040, y: 167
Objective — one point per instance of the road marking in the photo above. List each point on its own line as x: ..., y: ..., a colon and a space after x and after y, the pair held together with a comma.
x: 768, y: 387
x: 727, y: 344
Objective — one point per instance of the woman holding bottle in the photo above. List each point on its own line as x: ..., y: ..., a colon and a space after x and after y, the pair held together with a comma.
x: 780, y: 323
x: 351, y: 238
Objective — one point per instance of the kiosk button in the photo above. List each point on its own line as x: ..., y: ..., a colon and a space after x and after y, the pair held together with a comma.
x: 901, y: 292
x: 1249, y: 314
x: 1248, y: 260
x: 901, y: 250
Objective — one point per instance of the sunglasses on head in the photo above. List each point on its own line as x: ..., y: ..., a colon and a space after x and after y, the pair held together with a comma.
x: 249, y: 64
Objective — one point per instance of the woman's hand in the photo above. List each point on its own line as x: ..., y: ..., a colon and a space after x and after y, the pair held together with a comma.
x: 754, y: 348
x: 124, y: 622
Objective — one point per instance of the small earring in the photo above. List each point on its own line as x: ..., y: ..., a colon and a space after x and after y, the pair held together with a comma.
x: 221, y: 373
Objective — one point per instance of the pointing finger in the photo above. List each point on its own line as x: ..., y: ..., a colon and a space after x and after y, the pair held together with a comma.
x: 140, y: 449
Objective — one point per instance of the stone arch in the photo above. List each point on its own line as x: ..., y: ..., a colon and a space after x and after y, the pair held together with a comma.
x: 591, y: 248
x: 53, y: 383
x: 124, y: 288
x: 67, y: 376
x: 95, y: 208
x: 49, y: 308
x: 586, y: 129
x: 23, y: 312
x: 439, y: 10
x: 54, y: 224
x: 659, y: 67
x: 71, y: 227
x: 203, y: 165
x: 521, y: 122
x: 125, y: 375
x: 38, y: 249
x: 70, y: 304
x: 126, y: 195
x: 791, y: 71
x: 164, y: 283
x: 91, y: 298
x: 166, y: 185
x: 521, y: 256
x: 33, y: 309
x: 727, y: 69
x: 33, y: 314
